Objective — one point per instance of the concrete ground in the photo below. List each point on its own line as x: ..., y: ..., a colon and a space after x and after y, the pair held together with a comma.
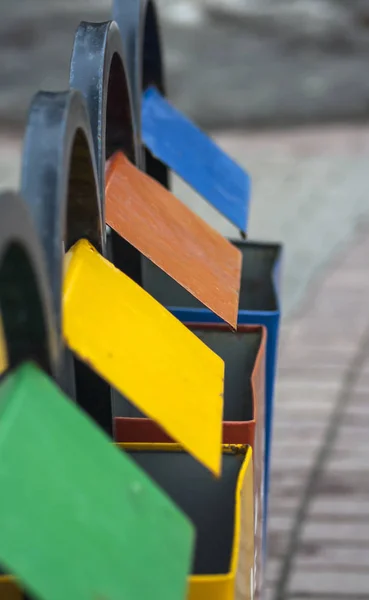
x: 310, y: 192
x: 319, y: 534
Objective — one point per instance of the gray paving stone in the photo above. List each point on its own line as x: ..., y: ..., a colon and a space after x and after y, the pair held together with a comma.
x: 339, y: 306
x: 277, y: 544
x: 341, y: 507
x: 358, y: 407
x: 332, y: 557
x: 329, y: 582
x: 352, y: 436
x: 350, y: 463
x: 272, y: 571
x: 283, y: 505
x: 351, y: 329
x: 326, y: 338
x: 297, y: 355
x: 319, y: 388
x: 293, y: 393
x: 291, y: 458
x: 358, y: 419
x: 305, y: 415
x: 288, y: 486
x: 299, y: 431
x: 350, y: 484
x: 319, y: 371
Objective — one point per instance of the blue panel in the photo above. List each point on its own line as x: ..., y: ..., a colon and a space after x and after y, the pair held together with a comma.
x: 189, y: 152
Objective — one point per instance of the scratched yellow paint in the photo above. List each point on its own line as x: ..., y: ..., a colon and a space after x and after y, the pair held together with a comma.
x: 3, y: 349
x: 144, y: 352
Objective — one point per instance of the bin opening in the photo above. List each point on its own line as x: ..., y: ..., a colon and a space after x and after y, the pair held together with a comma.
x: 207, y: 501
x: 239, y: 351
x: 257, y: 285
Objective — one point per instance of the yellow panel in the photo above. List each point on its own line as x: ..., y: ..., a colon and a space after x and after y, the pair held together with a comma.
x: 144, y: 352
x: 3, y: 349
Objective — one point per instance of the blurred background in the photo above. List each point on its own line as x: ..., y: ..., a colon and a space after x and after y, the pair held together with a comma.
x: 236, y: 63
x: 283, y: 86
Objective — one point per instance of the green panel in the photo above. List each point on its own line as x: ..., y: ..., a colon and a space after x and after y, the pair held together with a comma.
x: 78, y: 519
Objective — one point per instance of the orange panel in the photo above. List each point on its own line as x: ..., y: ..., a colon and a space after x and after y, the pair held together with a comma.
x: 163, y: 229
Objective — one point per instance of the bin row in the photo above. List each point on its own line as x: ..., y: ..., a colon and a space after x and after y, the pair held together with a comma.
x: 138, y: 345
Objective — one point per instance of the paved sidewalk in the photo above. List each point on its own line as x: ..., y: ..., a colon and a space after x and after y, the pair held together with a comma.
x: 319, y: 531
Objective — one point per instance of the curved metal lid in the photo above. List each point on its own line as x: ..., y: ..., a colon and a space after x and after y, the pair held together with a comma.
x: 25, y: 300
x: 98, y: 70
x: 60, y: 186
x: 139, y: 26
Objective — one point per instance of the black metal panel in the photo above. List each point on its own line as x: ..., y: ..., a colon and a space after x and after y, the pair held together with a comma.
x: 60, y: 186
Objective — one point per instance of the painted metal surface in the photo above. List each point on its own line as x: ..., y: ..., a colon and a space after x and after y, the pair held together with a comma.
x: 259, y: 305
x: 103, y: 528
x: 244, y: 397
x: 177, y: 142
x: 60, y: 186
x: 139, y: 26
x: 98, y: 70
x: 28, y: 322
x: 223, y: 561
x: 167, y: 232
x: 59, y: 181
x: 144, y: 352
x: 243, y: 353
